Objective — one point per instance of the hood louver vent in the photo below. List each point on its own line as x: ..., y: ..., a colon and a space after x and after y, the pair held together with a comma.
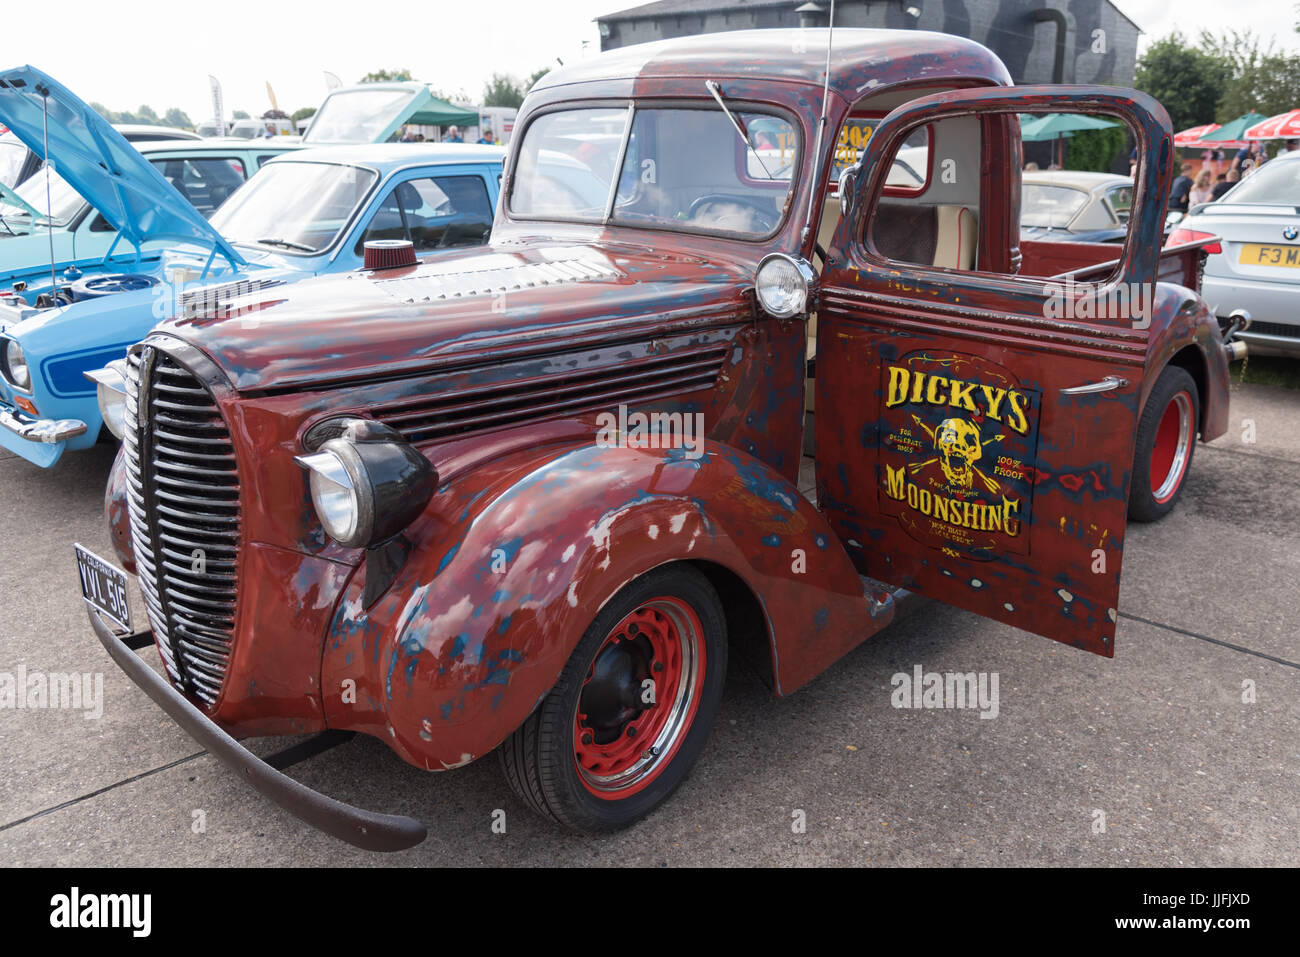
x: 632, y: 376
x: 496, y: 279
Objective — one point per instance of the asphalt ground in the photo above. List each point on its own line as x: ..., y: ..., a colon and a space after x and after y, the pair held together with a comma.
x: 1182, y: 750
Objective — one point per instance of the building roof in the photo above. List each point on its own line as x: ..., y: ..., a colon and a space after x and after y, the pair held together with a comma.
x: 669, y: 8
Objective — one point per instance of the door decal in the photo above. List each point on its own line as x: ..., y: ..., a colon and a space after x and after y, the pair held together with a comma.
x: 958, y: 437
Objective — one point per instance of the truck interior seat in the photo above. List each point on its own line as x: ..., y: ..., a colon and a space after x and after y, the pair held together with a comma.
x: 940, y: 235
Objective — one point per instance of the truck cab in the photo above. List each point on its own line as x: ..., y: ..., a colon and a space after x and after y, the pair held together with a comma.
x: 529, y: 498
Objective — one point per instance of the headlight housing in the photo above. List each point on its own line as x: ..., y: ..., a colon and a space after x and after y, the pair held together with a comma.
x: 110, y: 390
x: 784, y: 285
x: 15, y: 366
x: 367, y: 483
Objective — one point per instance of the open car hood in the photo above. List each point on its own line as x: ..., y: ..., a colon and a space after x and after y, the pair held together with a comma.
x: 372, y: 112
x: 104, y: 168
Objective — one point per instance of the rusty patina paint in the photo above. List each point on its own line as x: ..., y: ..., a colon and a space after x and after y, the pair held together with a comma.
x: 533, y: 527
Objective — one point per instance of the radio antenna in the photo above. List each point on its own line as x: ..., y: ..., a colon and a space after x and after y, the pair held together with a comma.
x: 821, y: 126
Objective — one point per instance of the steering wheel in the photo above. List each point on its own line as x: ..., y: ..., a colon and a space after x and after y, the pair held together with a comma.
x: 765, y: 222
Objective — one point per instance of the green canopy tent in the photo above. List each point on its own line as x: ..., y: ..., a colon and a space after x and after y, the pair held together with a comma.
x: 1232, y: 130
x: 1036, y: 127
x: 435, y: 112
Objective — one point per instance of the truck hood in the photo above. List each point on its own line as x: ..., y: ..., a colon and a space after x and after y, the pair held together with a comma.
x: 493, y: 301
x: 104, y: 168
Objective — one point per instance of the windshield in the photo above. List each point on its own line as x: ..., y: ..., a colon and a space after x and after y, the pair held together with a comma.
x: 355, y: 116
x: 65, y: 202
x: 293, y: 207
x: 685, y: 168
x: 1273, y: 184
x: 12, y: 155
x: 1049, y: 207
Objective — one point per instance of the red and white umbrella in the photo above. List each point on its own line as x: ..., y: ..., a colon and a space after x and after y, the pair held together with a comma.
x: 1284, y: 126
x: 1190, y: 136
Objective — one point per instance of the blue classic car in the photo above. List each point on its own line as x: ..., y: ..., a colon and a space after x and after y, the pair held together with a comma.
x: 304, y: 213
x: 204, y: 172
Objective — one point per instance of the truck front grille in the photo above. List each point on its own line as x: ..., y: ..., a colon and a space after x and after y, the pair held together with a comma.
x: 183, y: 503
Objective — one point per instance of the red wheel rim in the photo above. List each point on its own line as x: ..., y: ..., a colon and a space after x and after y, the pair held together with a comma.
x: 639, y: 698
x: 1171, y: 450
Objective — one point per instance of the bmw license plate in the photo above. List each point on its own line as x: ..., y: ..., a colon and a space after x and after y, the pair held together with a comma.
x: 1259, y: 254
x: 103, y: 587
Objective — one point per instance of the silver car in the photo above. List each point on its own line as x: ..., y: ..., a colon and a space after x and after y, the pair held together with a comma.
x: 1256, y: 264
x: 1075, y: 206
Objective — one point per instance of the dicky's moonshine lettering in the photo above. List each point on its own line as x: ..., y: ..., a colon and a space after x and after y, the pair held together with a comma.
x: 1001, y: 405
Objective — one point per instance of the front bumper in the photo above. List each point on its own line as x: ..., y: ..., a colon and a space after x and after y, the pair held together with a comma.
x: 41, y: 441
x: 47, y: 431
x: 362, y: 828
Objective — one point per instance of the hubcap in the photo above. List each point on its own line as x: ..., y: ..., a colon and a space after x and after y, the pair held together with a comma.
x: 1172, y: 447
x: 639, y: 698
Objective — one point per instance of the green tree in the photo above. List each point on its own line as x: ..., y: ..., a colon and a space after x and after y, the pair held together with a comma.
x: 178, y: 118
x: 1262, y: 79
x: 1095, y: 149
x: 503, y: 90
x: 387, y: 76
x: 299, y: 115
x: 537, y: 75
x: 1186, y: 79
x: 239, y: 115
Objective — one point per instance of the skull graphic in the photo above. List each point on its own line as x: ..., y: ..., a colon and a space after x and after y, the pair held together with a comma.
x: 958, y: 445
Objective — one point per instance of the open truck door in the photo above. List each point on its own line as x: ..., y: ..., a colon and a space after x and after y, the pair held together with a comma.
x: 976, y: 409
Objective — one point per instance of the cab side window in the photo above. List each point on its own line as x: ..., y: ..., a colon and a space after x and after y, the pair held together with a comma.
x: 206, y: 182
x: 436, y: 212
x: 936, y: 221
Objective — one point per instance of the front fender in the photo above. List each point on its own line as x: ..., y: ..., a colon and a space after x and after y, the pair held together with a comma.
x: 511, y: 564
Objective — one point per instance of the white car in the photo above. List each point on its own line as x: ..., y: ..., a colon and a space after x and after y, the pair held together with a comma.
x: 1255, y: 266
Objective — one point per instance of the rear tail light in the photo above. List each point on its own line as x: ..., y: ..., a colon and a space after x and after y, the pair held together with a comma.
x: 1180, y: 237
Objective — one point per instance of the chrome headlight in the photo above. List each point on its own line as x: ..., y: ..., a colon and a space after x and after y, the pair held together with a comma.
x: 367, y: 483
x: 783, y: 285
x: 15, y: 366
x: 110, y: 390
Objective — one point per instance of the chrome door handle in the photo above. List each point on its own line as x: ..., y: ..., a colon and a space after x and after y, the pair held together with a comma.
x: 1107, y: 384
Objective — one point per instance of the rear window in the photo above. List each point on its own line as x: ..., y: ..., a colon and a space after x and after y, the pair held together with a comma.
x: 1276, y: 183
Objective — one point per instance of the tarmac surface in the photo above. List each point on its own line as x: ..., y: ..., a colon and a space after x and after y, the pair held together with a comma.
x: 1161, y: 756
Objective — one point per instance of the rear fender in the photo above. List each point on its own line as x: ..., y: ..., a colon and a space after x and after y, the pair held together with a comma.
x: 1185, y: 332
x: 511, y: 565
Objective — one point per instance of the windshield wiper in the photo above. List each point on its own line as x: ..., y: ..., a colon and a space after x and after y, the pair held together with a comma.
x: 287, y: 244
x: 716, y: 90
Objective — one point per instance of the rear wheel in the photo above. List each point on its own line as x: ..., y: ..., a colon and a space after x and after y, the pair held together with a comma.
x: 1166, y: 439
x: 632, y: 708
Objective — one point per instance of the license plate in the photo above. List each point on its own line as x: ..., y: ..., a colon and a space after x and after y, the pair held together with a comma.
x: 103, y: 587
x: 1258, y: 254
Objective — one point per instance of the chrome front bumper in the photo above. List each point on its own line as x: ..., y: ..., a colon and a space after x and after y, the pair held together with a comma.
x: 45, y: 431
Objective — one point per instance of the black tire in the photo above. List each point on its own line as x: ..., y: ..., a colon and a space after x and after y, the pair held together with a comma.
x: 1175, y: 405
x: 541, y: 760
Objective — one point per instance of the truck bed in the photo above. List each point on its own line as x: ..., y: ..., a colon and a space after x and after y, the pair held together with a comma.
x: 1094, y: 262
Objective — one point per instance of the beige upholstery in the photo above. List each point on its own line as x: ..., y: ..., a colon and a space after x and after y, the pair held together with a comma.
x: 954, y: 248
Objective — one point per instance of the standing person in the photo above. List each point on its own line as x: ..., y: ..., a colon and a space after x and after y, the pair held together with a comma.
x: 488, y: 138
x: 1203, y: 191
x: 1230, y: 180
x: 1180, y: 190
x: 453, y: 135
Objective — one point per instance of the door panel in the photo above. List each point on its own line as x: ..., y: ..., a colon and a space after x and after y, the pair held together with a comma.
x: 972, y: 444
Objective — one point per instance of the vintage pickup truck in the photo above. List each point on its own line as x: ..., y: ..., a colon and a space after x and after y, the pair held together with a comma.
x: 529, y: 498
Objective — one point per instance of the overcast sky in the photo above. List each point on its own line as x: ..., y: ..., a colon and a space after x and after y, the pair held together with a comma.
x: 160, y: 53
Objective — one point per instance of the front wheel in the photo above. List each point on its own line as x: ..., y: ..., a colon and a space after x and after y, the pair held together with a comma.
x: 1166, y: 438
x: 631, y: 710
